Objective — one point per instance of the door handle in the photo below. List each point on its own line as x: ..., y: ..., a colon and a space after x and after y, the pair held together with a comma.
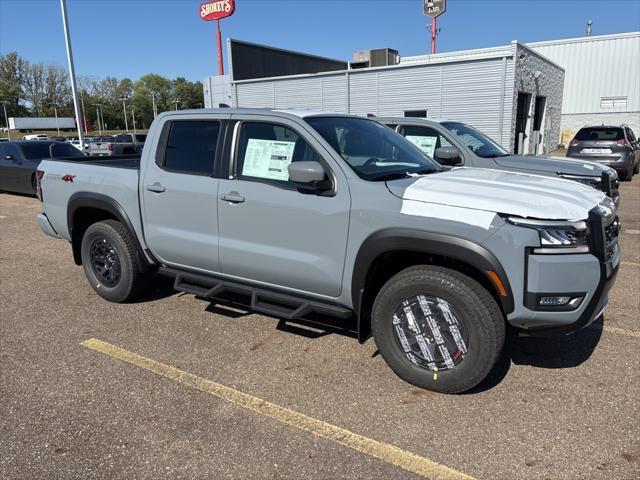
x: 232, y: 197
x: 155, y: 187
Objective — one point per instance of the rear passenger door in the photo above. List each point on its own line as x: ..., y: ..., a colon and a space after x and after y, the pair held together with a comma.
x: 179, y: 193
x: 270, y: 232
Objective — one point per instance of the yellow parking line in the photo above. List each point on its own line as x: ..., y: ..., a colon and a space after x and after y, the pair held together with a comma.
x: 621, y: 331
x: 633, y: 264
x: 383, y: 451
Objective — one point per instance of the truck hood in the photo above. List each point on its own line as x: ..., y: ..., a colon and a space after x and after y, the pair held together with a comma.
x: 498, y: 191
x: 552, y: 164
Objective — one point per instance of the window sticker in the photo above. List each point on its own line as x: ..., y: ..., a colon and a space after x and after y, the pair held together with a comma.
x: 268, y: 159
x: 426, y: 144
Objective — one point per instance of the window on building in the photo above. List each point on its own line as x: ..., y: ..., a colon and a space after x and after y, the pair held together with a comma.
x: 608, y: 103
x: 416, y: 113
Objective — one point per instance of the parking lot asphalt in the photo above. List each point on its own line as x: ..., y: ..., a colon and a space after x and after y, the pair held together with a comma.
x: 174, y: 386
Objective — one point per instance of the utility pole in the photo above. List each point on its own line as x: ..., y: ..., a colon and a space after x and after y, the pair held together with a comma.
x: 589, y: 25
x: 97, y: 105
x: 133, y: 116
x: 55, y: 109
x: 84, y: 114
x: 6, y: 118
x: 176, y: 102
x: 153, y: 99
x: 124, y: 109
x: 72, y: 70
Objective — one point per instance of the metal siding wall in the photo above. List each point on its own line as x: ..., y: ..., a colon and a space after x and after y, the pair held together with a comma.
x: 595, y: 68
x: 362, y: 93
x: 305, y: 93
x: 334, y: 94
x: 409, y: 89
x: 471, y: 93
x: 255, y: 95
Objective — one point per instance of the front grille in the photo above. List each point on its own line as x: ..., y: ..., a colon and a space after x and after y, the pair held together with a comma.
x: 610, y: 185
x: 604, y: 231
x: 611, y: 232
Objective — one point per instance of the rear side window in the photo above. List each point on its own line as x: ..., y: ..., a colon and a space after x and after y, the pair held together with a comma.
x: 600, y: 134
x: 141, y: 138
x: 191, y: 146
x: 123, y: 139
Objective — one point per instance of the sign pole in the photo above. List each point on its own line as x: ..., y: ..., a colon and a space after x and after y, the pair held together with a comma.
x: 433, y: 35
x: 219, y: 36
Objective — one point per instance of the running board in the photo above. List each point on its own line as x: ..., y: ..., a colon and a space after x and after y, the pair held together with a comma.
x: 288, y: 307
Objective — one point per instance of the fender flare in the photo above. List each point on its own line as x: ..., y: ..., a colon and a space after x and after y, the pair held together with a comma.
x: 405, y: 239
x: 103, y: 202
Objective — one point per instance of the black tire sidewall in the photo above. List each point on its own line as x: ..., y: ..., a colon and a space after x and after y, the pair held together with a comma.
x: 121, y: 291
x: 471, y: 313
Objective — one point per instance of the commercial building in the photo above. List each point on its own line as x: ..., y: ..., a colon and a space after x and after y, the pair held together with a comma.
x: 602, y: 80
x: 511, y: 93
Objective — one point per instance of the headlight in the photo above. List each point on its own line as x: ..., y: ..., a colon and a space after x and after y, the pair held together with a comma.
x: 557, y: 236
x: 594, y: 182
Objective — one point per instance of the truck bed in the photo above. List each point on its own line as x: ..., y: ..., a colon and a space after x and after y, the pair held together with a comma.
x: 115, y: 161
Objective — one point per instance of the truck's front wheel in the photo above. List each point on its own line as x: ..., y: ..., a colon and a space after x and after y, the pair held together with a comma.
x: 437, y: 328
x: 110, y: 262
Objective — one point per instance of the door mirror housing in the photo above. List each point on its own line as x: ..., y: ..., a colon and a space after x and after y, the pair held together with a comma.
x: 309, y: 175
x: 447, y: 156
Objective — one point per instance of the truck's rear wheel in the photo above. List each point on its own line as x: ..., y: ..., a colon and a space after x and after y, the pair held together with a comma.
x: 110, y: 261
x: 437, y: 328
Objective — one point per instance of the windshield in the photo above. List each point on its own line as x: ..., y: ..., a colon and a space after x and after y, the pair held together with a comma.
x: 50, y: 150
x: 478, y: 143
x: 372, y: 150
x: 600, y: 134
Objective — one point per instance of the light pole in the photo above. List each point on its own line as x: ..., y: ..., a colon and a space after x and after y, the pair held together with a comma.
x: 55, y: 109
x: 72, y: 70
x: 97, y: 105
x: 6, y: 119
x: 133, y: 116
x: 124, y: 109
x: 176, y: 102
x: 84, y: 114
x: 153, y: 99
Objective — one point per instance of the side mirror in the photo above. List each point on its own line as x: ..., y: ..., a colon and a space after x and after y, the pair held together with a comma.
x: 308, y: 175
x: 447, y: 156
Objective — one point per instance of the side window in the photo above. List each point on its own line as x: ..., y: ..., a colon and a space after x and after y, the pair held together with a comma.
x: 191, y: 146
x: 265, y: 151
x: 630, y: 135
x: 425, y: 138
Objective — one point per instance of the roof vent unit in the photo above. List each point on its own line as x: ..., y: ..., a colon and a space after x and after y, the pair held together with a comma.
x: 380, y: 57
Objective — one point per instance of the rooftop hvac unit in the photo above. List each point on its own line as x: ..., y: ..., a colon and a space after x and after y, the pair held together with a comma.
x: 380, y: 57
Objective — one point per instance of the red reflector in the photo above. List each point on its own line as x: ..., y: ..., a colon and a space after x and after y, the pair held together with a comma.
x: 110, y: 146
x: 573, y: 143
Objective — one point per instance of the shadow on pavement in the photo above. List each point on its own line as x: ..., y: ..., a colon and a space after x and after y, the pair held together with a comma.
x: 557, y: 352
x: 158, y: 287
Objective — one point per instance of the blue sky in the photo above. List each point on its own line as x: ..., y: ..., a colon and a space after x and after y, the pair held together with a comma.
x: 133, y: 37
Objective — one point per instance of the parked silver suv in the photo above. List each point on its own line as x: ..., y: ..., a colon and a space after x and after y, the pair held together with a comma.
x: 616, y: 147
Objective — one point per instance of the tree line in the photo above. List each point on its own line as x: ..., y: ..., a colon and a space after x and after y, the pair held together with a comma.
x: 38, y: 89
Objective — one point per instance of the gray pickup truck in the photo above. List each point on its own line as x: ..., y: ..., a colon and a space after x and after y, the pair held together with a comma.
x: 453, y: 144
x: 307, y: 216
x: 123, y: 144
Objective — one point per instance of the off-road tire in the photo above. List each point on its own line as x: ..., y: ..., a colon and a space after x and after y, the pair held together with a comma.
x: 131, y: 281
x: 475, y: 308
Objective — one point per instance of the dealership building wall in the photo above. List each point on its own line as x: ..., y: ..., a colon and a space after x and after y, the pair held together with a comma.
x: 479, y: 87
x: 602, y: 81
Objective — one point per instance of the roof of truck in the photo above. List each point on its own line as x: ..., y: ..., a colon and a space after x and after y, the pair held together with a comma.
x: 300, y: 113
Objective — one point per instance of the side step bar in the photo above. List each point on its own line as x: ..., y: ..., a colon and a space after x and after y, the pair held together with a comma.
x: 288, y: 307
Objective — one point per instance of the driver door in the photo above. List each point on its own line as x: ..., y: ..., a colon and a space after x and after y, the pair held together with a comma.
x: 271, y: 232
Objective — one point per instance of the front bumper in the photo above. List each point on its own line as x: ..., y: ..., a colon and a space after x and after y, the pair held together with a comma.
x: 587, y: 278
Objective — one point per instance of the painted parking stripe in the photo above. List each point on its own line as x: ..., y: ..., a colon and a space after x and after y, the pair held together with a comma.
x: 621, y: 331
x: 383, y: 451
x: 632, y: 264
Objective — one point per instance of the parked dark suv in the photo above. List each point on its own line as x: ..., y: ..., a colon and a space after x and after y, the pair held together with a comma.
x: 616, y: 147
